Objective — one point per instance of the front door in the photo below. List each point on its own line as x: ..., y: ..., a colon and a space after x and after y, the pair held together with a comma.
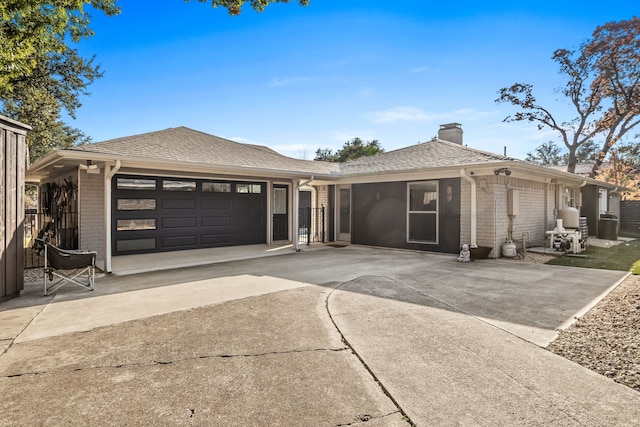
x: 280, y: 213
x: 343, y: 217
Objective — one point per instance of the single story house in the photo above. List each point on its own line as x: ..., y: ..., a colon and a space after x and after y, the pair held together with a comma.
x: 179, y: 189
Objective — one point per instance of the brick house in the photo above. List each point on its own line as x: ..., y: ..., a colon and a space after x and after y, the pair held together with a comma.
x: 180, y: 189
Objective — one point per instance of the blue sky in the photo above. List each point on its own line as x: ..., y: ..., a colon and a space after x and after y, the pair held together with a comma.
x: 299, y: 78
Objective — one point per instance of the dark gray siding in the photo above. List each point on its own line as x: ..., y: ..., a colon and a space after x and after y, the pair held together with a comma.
x: 380, y: 216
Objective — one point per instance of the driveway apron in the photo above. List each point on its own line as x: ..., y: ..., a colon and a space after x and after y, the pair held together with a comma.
x: 445, y: 367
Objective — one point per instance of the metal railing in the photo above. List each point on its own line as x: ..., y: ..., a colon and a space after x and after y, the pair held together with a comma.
x: 59, y: 228
x: 311, y: 225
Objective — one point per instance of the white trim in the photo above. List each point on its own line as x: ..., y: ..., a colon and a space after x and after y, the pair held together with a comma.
x: 436, y: 212
x: 289, y: 209
x: 269, y: 219
x: 474, y: 206
x: 107, y: 214
x: 336, y: 218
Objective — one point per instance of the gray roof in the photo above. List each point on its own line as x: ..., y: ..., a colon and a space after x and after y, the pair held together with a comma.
x: 182, y: 144
x: 187, y: 145
x: 433, y: 154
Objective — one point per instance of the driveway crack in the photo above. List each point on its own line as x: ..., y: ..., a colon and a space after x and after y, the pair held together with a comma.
x: 405, y: 417
x: 12, y: 340
x: 180, y: 360
x: 365, y: 418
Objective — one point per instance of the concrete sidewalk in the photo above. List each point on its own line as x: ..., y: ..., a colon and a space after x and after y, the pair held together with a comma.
x: 260, y: 342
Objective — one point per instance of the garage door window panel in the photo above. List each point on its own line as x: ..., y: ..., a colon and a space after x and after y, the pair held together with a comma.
x: 249, y: 188
x: 136, y: 184
x: 216, y: 187
x: 136, y: 224
x: 170, y: 185
x: 136, y: 204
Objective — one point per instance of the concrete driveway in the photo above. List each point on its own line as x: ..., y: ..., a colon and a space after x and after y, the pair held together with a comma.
x: 337, y: 336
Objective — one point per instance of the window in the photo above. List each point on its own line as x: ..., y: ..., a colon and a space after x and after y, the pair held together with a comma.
x: 169, y: 185
x: 249, y: 188
x: 422, y: 212
x: 280, y: 201
x: 136, y: 204
x: 216, y: 187
x: 136, y: 224
x: 135, y: 184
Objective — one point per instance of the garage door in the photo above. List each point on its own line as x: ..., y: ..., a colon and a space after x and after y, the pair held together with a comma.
x: 156, y: 214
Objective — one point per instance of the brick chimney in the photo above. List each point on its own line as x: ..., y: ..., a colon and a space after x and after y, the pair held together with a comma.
x: 451, y: 132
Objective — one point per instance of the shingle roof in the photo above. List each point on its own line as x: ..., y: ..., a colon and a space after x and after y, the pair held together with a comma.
x: 432, y: 154
x: 190, y: 146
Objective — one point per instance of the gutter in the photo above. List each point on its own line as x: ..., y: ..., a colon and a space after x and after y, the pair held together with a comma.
x: 107, y: 216
x: 164, y: 164
x: 474, y: 206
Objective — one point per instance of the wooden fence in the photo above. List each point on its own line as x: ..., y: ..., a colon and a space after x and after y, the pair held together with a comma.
x: 630, y: 215
x: 13, y: 162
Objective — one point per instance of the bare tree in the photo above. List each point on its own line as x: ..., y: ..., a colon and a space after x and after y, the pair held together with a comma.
x: 603, y: 86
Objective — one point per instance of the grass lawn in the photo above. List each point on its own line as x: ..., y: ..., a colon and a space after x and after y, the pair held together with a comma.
x: 624, y: 257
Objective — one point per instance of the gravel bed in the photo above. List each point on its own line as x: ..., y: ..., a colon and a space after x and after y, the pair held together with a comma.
x: 33, y: 275
x: 607, y: 338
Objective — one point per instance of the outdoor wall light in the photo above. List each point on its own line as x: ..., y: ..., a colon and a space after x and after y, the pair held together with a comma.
x: 505, y: 171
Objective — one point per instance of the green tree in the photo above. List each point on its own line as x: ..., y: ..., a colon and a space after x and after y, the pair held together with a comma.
x: 235, y: 6
x: 351, y: 150
x: 603, y: 85
x: 41, y: 74
x: 546, y: 154
x: 586, y: 153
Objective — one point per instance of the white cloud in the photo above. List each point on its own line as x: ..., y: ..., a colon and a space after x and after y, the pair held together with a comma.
x: 279, y: 82
x: 242, y: 140
x: 470, y: 113
x: 408, y: 114
x: 366, y: 92
x: 421, y: 69
x: 415, y: 114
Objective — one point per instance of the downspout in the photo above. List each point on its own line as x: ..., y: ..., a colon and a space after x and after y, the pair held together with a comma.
x: 474, y: 206
x: 296, y: 204
x: 547, y: 183
x: 107, y: 204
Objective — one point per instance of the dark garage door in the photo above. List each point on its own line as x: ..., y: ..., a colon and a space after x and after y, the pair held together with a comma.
x: 155, y: 214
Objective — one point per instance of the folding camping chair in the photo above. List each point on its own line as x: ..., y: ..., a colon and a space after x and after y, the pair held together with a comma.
x: 67, y: 266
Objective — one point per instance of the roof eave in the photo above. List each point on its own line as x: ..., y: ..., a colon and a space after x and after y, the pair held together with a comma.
x: 141, y: 162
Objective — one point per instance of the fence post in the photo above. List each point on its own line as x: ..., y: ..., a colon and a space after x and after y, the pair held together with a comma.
x: 308, y: 225
x: 322, y: 222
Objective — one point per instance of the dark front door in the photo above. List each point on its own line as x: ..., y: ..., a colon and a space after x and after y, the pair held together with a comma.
x: 280, y: 213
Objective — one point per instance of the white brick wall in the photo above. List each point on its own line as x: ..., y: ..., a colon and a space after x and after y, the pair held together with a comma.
x: 493, y: 219
x: 91, y: 214
x: 322, y: 200
x: 486, y: 232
